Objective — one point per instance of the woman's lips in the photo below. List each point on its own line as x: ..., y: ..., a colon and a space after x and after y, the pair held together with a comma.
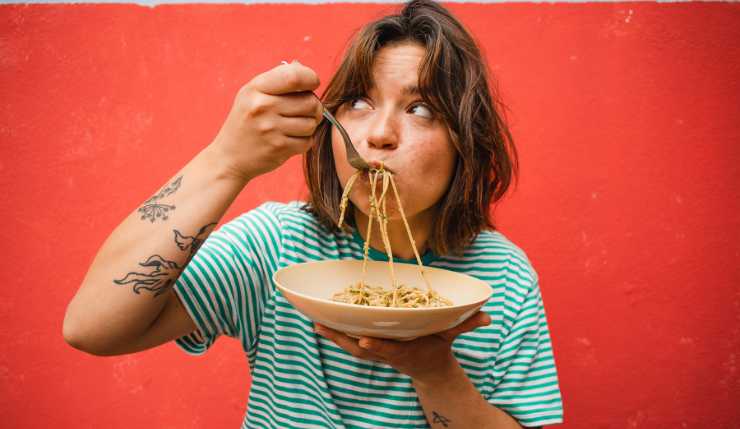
x: 378, y: 164
x: 363, y: 181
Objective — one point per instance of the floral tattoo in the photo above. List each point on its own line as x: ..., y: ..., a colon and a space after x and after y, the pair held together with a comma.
x: 154, y: 209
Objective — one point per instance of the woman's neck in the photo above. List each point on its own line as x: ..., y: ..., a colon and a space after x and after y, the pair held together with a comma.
x: 421, y: 229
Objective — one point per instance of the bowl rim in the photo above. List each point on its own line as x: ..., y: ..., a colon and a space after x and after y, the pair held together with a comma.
x: 378, y: 308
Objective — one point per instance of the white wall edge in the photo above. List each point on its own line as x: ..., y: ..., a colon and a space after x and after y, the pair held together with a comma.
x: 319, y: 2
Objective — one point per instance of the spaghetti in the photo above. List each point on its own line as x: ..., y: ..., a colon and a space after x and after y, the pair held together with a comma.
x: 399, y: 295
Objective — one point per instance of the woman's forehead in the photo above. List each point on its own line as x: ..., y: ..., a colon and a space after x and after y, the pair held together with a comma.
x: 398, y: 57
x: 396, y: 67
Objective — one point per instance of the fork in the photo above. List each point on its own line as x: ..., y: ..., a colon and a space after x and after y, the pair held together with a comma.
x: 354, y: 158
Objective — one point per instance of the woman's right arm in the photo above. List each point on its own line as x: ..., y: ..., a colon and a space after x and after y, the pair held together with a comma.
x: 126, y: 303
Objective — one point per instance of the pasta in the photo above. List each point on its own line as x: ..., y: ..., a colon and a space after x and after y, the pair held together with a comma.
x: 399, y: 295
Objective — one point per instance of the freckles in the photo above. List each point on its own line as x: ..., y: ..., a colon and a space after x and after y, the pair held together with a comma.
x: 417, y: 157
x: 430, y: 161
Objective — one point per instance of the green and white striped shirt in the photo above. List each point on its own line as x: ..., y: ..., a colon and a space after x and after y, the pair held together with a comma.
x: 301, y: 380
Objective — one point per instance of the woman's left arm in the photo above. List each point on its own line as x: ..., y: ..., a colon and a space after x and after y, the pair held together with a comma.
x: 450, y: 400
x: 448, y: 397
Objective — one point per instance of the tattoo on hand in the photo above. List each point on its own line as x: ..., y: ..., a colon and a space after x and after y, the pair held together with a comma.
x: 438, y: 418
x: 153, y: 209
x: 163, y: 273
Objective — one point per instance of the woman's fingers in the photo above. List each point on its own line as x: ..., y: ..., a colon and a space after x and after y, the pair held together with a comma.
x: 387, y: 349
x: 298, y: 145
x: 477, y: 320
x: 349, y: 344
x: 303, y: 104
x: 296, y: 126
x: 286, y: 79
x: 271, y: 119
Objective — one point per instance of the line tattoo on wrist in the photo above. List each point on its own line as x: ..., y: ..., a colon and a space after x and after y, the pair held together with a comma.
x: 161, y: 273
x: 438, y: 418
x: 154, y: 209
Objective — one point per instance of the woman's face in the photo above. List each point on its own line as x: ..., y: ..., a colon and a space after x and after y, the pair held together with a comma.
x: 393, y: 125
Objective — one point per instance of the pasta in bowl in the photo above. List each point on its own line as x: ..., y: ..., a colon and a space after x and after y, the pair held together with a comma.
x: 310, y: 287
x: 350, y: 296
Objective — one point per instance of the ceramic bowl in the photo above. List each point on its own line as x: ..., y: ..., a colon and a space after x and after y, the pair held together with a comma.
x: 310, y: 286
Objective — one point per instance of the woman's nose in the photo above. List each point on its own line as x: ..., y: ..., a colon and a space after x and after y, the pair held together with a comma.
x: 383, y: 132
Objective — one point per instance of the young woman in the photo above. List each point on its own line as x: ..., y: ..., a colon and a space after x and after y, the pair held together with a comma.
x: 412, y: 92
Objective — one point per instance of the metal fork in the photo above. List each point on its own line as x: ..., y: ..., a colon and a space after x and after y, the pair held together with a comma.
x: 354, y: 158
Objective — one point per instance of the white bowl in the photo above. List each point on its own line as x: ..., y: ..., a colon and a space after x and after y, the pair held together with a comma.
x: 309, y: 287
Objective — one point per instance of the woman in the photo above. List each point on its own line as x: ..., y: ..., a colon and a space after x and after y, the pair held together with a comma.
x: 413, y: 94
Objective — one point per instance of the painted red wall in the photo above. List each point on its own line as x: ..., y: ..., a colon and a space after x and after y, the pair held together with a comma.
x: 626, y: 116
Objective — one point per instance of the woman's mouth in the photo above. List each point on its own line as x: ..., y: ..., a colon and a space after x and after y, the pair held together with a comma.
x: 380, y: 165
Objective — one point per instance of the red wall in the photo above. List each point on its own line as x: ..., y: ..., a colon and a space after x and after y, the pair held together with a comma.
x: 626, y: 116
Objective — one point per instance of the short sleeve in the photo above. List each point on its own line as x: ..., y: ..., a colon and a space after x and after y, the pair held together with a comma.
x: 525, y: 381
x: 227, y: 284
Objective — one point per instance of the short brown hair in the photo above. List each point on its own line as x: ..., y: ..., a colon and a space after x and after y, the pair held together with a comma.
x: 453, y: 80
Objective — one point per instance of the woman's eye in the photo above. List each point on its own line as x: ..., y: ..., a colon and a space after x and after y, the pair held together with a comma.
x: 423, y: 111
x: 359, y: 104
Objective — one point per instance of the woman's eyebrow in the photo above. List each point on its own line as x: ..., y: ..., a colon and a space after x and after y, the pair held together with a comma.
x: 409, y: 90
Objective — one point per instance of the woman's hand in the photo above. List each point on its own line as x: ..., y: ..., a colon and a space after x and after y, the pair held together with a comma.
x: 424, y: 359
x: 272, y: 119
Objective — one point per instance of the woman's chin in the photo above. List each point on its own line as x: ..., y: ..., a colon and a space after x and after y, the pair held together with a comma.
x: 393, y: 214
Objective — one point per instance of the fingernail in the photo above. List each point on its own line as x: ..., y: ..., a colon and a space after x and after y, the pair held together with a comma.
x: 365, y: 343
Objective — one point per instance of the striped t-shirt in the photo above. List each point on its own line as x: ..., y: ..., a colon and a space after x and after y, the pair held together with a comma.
x: 301, y: 380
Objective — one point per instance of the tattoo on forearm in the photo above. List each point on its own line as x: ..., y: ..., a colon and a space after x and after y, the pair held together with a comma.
x: 154, y: 209
x: 192, y: 244
x: 438, y: 418
x: 162, y: 273
x: 158, y: 280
